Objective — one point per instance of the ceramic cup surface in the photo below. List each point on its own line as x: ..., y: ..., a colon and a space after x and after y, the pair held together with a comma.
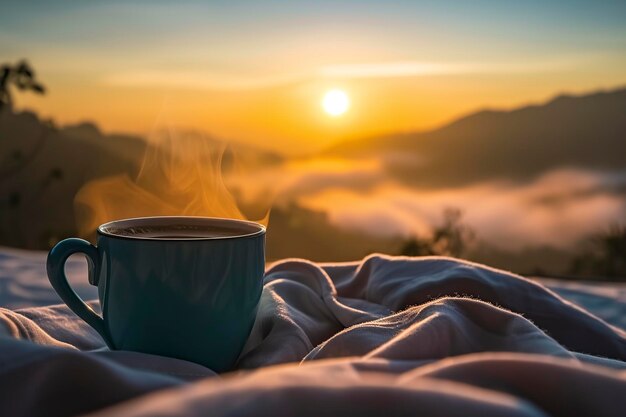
x: 184, y: 287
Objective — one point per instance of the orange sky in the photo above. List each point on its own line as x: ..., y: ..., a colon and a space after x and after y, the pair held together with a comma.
x: 289, y: 117
x: 257, y: 73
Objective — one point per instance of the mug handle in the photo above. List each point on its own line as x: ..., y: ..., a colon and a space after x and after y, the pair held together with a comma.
x: 55, y: 266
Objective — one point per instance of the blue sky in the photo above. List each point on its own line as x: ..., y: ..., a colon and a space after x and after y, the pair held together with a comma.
x: 411, y: 29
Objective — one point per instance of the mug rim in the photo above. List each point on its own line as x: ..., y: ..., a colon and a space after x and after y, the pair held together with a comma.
x: 101, y: 230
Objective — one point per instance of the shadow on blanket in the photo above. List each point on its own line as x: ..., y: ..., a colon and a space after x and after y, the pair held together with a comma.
x: 388, y: 335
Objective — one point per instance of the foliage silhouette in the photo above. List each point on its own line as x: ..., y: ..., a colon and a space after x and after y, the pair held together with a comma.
x: 606, y: 256
x: 451, y: 238
x: 22, y: 77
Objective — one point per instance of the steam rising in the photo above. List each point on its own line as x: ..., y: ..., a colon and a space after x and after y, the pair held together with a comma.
x: 181, y: 174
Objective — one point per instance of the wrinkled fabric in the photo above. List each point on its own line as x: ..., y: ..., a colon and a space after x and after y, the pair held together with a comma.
x: 384, y: 336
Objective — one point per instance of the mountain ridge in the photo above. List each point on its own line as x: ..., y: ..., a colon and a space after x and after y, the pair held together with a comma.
x: 585, y: 131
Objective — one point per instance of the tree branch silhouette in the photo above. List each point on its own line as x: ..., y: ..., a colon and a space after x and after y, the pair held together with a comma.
x: 20, y: 76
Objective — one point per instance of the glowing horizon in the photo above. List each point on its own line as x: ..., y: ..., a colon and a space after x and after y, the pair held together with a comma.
x: 255, y: 72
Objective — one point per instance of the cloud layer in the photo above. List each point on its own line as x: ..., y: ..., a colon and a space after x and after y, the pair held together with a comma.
x: 558, y: 209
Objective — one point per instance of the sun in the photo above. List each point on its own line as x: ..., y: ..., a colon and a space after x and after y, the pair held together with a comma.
x: 335, y: 102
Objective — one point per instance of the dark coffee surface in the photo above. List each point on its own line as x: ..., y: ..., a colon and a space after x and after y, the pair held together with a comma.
x: 176, y: 231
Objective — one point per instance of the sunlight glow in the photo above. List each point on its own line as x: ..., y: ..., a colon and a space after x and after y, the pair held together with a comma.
x: 335, y: 102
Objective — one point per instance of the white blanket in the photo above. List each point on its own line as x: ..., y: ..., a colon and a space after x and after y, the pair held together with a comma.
x: 385, y: 336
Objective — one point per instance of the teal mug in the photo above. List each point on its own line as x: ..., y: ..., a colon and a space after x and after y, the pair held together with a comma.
x: 184, y: 287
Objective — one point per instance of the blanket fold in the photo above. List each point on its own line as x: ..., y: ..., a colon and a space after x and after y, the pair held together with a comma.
x: 387, y: 335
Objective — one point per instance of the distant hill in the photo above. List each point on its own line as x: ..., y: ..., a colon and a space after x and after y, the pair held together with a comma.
x: 587, y: 131
x: 42, y: 167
